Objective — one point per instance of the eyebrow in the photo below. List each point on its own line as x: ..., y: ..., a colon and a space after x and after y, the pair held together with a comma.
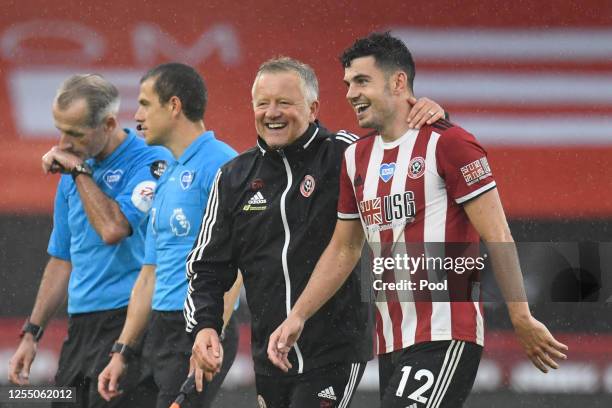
x: 357, y: 78
x: 70, y: 132
x: 360, y: 76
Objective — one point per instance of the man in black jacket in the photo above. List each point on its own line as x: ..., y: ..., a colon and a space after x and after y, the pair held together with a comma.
x: 271, y: 213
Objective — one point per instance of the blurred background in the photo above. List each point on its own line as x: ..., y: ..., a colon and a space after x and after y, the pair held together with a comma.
x: 531, y: 79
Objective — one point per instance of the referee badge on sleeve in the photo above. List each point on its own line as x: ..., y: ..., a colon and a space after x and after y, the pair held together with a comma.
x: 142, y: 195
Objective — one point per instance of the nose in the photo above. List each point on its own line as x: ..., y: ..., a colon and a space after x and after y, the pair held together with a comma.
x: 273, y: 111
x: 64, y: 143
x: 139, y: 116
x: 351, y: 93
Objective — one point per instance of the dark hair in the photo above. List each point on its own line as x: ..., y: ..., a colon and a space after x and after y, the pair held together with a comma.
x: 101, y: 96
x: 182, y: 81
x: 390, y: 54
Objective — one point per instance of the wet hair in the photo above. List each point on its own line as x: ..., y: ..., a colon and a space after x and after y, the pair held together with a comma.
x: 390, y: 54
x: 101, y: 96
x: 310, y: 84
x: 182, y: 81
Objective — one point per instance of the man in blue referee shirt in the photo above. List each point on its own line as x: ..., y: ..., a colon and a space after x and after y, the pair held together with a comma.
x: 172, y: 102
x: 97, y: 244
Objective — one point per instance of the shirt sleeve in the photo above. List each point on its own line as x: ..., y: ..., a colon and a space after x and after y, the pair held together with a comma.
x: 150, y: 256
x: 347, y: 204
x: 136, y: 198
x: 59, y: 242
x: 211, y: 270
x: 463, y: 164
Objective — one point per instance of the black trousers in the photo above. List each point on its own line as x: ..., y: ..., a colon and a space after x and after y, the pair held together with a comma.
x: 84, y: 355
x: 331, y: 386
x: 166, y: 354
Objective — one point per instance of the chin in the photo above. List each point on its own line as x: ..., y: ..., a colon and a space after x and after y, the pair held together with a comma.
x: 365, y: 124
x: 83, y: 155
x: 369, y: 124
x: 152, y: 141
x: 275, y: 142
x: 277, y: 146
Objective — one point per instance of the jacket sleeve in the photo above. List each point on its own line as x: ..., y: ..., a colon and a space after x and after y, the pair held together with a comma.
x: 211, y: 270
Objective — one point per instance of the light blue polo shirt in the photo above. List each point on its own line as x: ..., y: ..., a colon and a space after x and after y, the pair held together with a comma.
x: 176, y: 216
x: 103, y: 275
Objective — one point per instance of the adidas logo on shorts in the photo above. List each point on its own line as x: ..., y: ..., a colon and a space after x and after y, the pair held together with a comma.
x: 258, y: 198
x: 328, y: 393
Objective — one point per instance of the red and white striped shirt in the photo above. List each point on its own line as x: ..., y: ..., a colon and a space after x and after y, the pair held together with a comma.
x: 411, y: 191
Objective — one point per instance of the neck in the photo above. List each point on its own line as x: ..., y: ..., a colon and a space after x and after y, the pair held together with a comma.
x: 183, y: 135
x: 397, y: 124
x: 113, y: 142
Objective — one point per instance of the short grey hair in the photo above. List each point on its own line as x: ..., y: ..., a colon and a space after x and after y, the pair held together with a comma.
x: 101, y: 96
x: 310, y: 84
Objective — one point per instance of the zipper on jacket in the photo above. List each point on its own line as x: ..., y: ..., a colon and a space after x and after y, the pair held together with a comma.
x: 283, y: 208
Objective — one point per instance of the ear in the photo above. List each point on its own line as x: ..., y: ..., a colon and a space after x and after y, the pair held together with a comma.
x: 399, y: 82
x: 314, y: 111
x: 176, y: 106
x: 110, y: 124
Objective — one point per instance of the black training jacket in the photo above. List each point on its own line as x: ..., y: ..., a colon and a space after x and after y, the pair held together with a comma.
x: 271, y: 213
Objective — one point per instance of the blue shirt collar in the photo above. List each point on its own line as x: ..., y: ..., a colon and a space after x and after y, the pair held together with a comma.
x: 131, y: 135
x: 195, y: 146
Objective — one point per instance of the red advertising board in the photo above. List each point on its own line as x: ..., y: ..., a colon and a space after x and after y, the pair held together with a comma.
x: 531, y: 80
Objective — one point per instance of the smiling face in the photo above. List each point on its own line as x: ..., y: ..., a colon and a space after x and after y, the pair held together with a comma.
x: 76, y: 136
x: 153, y: 117
x: 282, y: 113
x: 369, y: 93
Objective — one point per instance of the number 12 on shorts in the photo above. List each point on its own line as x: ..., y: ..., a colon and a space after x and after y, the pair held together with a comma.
x: 417, y: 395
